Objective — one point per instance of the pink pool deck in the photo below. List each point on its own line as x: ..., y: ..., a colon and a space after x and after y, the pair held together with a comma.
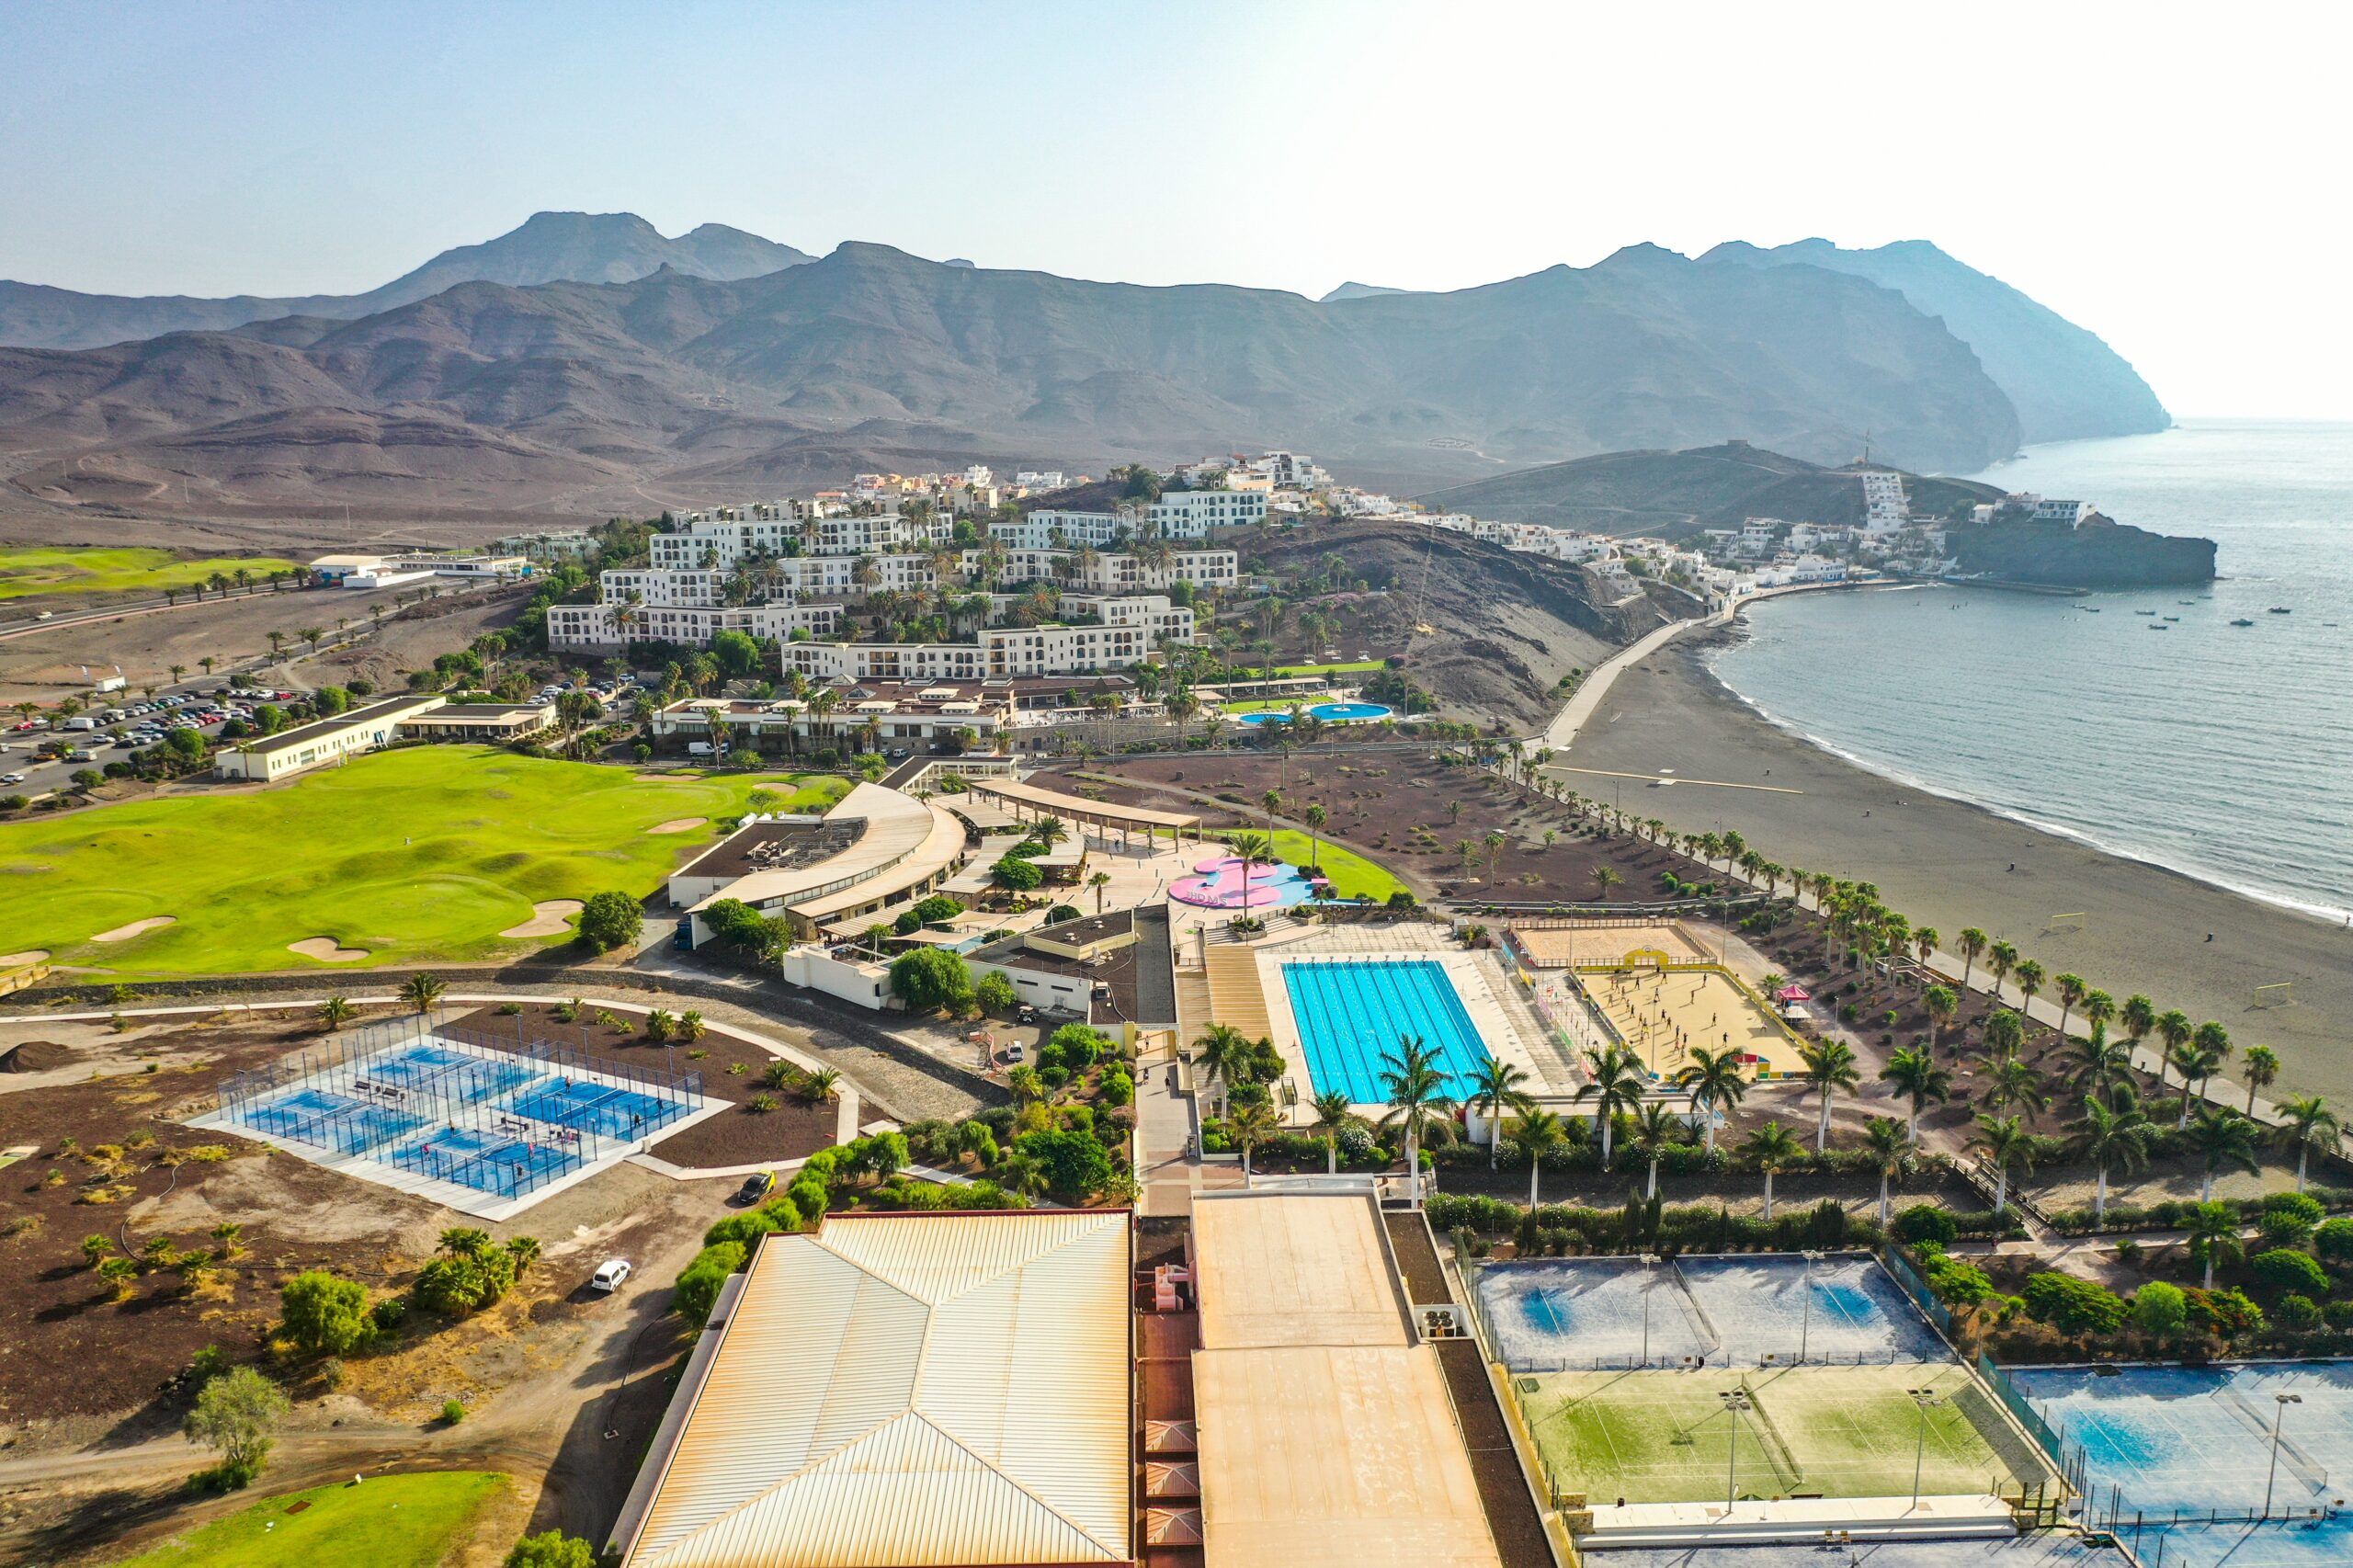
x: 1228, y: 883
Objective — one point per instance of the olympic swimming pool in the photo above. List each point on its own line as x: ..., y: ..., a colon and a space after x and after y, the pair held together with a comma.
x: 1351, y: 1012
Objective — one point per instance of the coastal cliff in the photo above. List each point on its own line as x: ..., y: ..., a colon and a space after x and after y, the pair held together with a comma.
x: 2099, y: 554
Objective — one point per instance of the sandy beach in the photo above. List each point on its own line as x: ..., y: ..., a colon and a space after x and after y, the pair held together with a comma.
x: 1947, y: 864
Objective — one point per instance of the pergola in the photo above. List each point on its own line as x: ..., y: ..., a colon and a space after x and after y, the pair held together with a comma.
x: 1102, y: 816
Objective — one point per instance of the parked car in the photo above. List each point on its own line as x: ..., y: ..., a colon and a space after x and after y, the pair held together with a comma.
x: 610, y: 1275
x: 756, y: 1187
x: 11, y: 779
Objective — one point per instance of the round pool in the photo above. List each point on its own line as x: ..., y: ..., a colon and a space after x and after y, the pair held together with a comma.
x: 1329, y: 712
x: 1233, y: 884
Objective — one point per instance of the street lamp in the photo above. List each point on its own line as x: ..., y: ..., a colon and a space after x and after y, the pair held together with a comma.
x: 1926, y: 1400
x: 1806, y: 1323
x: 1736, y: 1401
x: 2278, y: 1414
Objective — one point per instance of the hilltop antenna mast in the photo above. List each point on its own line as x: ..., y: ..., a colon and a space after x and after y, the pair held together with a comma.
x: 1422, y: 626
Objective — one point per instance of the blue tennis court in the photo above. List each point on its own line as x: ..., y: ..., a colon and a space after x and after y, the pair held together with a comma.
x: 1351, y: 1012
x: 339, y: 1122
x: 583, y: 1103
x: 445, y: 1073
x: 488, y: 1162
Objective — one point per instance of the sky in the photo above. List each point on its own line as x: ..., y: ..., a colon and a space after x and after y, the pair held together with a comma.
x: 2166, y: 176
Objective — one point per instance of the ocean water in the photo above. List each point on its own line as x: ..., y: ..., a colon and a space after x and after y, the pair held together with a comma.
x: 2224, y: 752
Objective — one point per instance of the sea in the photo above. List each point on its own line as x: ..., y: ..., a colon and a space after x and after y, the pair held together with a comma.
x: 2224, y: 752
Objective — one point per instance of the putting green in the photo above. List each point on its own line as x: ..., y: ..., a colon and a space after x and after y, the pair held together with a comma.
x: 30, y: 569
x: 1663, y: 1436
x: 393, y: 1521
x: 421, y: 854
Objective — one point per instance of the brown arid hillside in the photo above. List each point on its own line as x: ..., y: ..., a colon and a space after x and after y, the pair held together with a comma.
x: 607, y: 396
x: 1502, y: 627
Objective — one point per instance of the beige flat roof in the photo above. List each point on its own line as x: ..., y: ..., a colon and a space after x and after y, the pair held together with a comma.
x: 911, y: 1390
x: 896, y: 825
x: 1340, y: 1456
x: 1295, y: 1269
x: 1074, y: 805
x: 930, y: 856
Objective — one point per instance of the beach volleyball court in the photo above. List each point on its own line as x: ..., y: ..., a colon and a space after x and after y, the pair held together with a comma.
x: 1664, y: 1011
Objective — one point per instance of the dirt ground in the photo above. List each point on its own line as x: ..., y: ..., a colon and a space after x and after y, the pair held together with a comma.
x: 45, y: 666
x: 218, y: 527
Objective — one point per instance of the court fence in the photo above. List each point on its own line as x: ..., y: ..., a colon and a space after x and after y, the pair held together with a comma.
x: 2067, y: 1460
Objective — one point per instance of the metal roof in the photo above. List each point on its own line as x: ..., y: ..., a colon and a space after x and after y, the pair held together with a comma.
x: 912, y: 1390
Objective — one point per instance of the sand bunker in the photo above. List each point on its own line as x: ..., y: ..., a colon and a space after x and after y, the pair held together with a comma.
x: 18, y: 961
x: 325, y: 950
x: 678, y: 824
x: 547, y: 919
x: 137, y: 928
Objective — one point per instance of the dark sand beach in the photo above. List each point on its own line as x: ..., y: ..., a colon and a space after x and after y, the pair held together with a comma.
x: 1947, y: 864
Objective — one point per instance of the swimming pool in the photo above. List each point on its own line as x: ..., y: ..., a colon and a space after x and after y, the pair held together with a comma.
x: 1352, y: 1011
x: 1329, y: 712
x: 1225, y: 882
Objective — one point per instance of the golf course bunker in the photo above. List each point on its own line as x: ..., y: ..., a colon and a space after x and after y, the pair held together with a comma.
x: 18, y: 961
x: 547, y: 919
x: 326, y: 950
x: 136, y: 929
x: 675, y: 825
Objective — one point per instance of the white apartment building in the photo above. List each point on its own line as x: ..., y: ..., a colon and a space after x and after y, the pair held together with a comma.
x: 1191, y: 513
x: 739, y: 533
x: 1115, y: 572
x: 557, y: 544
x: 2069, y: 513
x: 1152, y: 612
x: 1885, y: 507
x: 1180, y: 514
x: 616, y: 625
x: 1050, y: 529
x: 1001, y: 652
x: 322, y: 741
x: 1039, y: 478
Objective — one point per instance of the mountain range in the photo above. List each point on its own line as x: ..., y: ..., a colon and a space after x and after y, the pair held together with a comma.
x: 583, y: 358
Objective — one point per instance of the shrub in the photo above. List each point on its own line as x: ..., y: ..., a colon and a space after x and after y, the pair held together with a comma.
x: 453, y: 1410
x: 2073, y: 1305
x: 1925, y: 1222
x: 994, y: 992
x: 1016, y: 874
x: 2160, y: 1309
x: 389, y: 1314
x: 552, y: 1549
x: 1074, y: 1163
x: 743, y: 1229
x: 1079, y: 1045
x: 2283, y: 1269
x: 2226, y: 1312
x: 2297, y: 1311
x: 324, y: 1313
x: 1118, y: 1088
x: 930, y: 979
x: 610, y: 920
x: 2334, y: 1241
x: 698, y: 1284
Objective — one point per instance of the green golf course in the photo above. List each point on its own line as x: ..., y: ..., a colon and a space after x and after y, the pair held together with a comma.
x: 393, y: 1521
x: 26, y: 570
x: 409, y: 856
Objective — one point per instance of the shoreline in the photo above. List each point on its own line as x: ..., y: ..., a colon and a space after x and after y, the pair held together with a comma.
x: 1951, y: 862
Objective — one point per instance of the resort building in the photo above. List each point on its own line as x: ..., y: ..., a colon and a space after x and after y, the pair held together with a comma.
x: 874, y: 854
x: 492, y: 722
x: 1327, y: 1437
x: 721, y: 538
x: 556, y: 544
x: 1131, y: 633
x: 1179, y: 513
x: 911, y: 714
x: 611, y: 625
x: 904, y: 1390
x: 320, y: 741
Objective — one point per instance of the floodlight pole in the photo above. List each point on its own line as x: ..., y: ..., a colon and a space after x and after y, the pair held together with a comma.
x: 2278, y: 1415
x: 1648, y: 1260
x: 1806, y: 1323
x: 1736, y: 1401
x: 1926, y: 1400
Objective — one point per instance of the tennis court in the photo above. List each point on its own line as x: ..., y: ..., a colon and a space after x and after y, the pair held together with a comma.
x: 2186, y: 1453
x: 597, y: 1108
x: 1567, y: 1314
x: 444, y: 1073
x: 331, y: 1121
x: 488, y: 1162
x: 1670, y: 1437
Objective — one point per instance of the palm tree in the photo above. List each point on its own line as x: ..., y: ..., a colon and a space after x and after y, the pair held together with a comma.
x: 2213, y: 1236
x: 2004, y: 1033
x: 334, y: 1011
x: 2012, y: 1081
x: 2028, y: 977
x: 1717, y: 1081
x: 1616, y: 1081
x: 2000, y: 959
x: 2215, y: 1041
x: 1973, y: 943
x: 2195, y: 1066
x: 2306, y: 1124
x: 1049, y: 830
x: 2173, y: 1028
x: 1225, y: 1055
x: 1098, y: 881
x: 2006, y: 1145
x: 2099, y: 1011
x: 1332, y: 1113
x: 2106, y: 1136
x: 1917, y: 1076
x: 2222, y: 1138
x: 1925, y: 942
x: 1495, y: 1089
x: 690, y: 1025
x: 422, y: 990
x: 1249, y: 1125
x: 2071, y: 989
x: 1943, y: 1004
x: 1604, y: 879
x: 1273, y: 800
x: 2261, y: 1070
x: 2097, y: 1064
x: 1416, y: 1085
x: 1656, y: 1131
x: 819, y: 1084
x: 1315, y: 816
x: 1536, y: 1134
x: 1021, y: 1174
x: 1889, y: 1144
x: 1772, y: 1150
x: 1830, y: 1066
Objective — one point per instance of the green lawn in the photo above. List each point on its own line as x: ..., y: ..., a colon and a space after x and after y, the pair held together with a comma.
x: 1353, y: 876
x: 1354, y: 666
x: 393, y: 1521
x: 416, y: 855
x: 1664, y: 1437
x: 32, y: 568
x: 1279, y: 705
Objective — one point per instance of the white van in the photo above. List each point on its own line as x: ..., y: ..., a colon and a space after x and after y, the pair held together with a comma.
x: 81, y: 722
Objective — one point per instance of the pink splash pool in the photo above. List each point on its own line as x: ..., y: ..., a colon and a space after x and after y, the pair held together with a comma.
x: 1231, y: 884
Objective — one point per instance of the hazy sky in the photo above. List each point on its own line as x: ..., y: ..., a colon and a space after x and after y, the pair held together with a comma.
x: 2168, y: 176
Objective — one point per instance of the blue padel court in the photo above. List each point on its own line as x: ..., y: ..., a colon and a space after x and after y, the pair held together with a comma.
x: 492, y: 1116
x: 2185, y: 1458
x: 1352, y: 1012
